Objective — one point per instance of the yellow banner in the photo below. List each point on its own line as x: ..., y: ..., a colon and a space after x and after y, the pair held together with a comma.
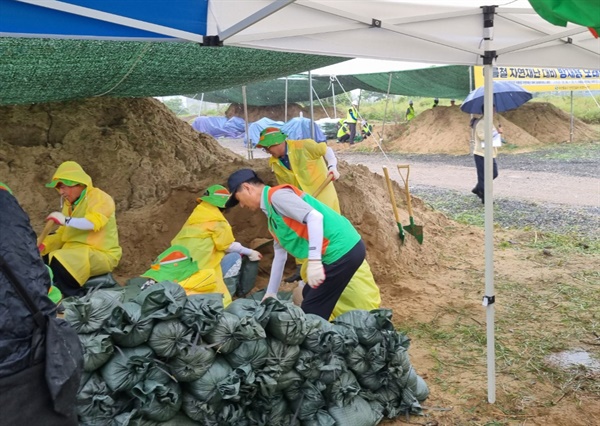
x: 544, y: 79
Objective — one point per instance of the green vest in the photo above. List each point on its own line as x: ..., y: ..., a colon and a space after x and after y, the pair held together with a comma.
x: 410, y: 113
x: 339, y: 236
x: 342, y: 131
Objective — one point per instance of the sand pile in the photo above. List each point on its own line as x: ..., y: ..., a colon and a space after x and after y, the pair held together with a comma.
x: 445, y: 130
x: 155, y: 165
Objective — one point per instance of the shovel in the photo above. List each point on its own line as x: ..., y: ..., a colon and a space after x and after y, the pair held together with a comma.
x: 412, y: 229
x: 393, y: 199
x: 47, y: 228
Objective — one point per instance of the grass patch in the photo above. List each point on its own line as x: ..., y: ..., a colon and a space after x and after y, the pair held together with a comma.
x: 563, y: 243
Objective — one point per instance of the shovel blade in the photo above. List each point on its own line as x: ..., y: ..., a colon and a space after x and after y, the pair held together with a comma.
x: 415, y: 230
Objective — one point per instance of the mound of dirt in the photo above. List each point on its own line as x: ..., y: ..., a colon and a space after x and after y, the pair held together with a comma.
x: 155, y: 165
x: 445, y: 130
x: 276, y: 112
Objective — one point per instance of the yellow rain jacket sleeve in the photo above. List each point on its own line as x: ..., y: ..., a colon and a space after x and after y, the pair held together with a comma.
x: 207, y: 234
x: 360, y: 293
x: 86, y: 253
x: 309, y: 170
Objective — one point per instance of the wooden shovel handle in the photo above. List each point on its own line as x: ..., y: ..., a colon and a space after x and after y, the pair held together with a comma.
x: 326, y: 182
x: 391, y: 191
x: 405, y: 180
x: 47, y: 228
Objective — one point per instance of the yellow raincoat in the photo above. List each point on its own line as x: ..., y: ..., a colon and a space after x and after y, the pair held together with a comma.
x: 85, y: 254
x: 309, y: 170
x: 207, y: 234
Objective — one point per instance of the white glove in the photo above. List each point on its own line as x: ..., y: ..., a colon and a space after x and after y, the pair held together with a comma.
x: 57, y: 217
x: 268, y: 295
x: 315, y: 273
x: 254, y: 256
x: 334, y: 171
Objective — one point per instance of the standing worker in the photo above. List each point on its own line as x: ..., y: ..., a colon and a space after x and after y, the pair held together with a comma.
x: 308, y: 229
x: 351, y: 119
x: 479, y: 153
x: 207, y: 238
x: 304, y: 164
x: 87, y: 242
x: 410, y: 111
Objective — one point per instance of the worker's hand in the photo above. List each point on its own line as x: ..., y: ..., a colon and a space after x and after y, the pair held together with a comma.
x: 334, y: 172
x: 315, y: 273
x: 57, y: 217
x: 269, y: 295
x: 254, y: 256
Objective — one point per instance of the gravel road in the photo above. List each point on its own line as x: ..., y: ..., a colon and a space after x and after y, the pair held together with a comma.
x: 556, y: 189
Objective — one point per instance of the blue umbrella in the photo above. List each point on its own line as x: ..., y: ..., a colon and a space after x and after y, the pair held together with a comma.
x: 507, y: 96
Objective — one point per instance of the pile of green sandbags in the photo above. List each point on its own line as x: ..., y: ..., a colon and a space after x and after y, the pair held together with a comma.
x: 163, y: 358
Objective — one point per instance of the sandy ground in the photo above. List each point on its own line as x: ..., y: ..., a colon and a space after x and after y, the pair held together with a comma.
x: 543, y: 187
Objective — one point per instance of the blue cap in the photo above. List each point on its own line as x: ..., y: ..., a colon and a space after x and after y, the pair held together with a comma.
x: 235, y: 180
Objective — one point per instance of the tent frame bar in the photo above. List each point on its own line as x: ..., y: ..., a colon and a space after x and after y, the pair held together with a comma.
x: 254, y: 18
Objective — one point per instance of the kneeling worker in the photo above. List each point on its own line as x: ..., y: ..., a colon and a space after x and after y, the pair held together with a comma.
x: 207, y: 239
x: 307, y: 229
x: 86, y: 243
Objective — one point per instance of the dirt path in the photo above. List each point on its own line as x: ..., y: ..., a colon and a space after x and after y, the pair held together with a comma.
x: 536, y: 186
x: 531, y: 186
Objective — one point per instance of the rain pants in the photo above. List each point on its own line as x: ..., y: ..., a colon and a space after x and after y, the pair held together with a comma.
x: 309, y: 170
x: 207, y: 234
x: 85, y: 253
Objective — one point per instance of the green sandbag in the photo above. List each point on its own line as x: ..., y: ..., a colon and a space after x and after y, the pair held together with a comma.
x: 247, y: 385
x: 202, y: 312
x: 357, y: 413
x: 180, y: 419
x: 356, y: 360
x: 309, y: 365
x: 266, y: 382
x: 287, y: 322
x: 97, y: 350
x: 89, y: 313
x: 192, y: 362
x: 376, y: 357
x: 332, y: 368
x: 168, y: 338
x: 158, y: 401
x: 249, y: 329
x: 252, y: 353
x: 289, y: 382
x: 247, y: 277
x: 390, y: 401
x: 126, y: 326
x: 316, y: 338
x: 222, y: 336
x: 365, y: 324
x: 375, y: 379
x: 127, y: 367
x: 343, y: 390
x: 96, y: 403
x: 320, y: 418
x: 394, y: 340
x: 100, y: 281
x: 281, y: 357
x: 398, y: 363
x: 343, y: 338
x: 272, y: 411
x: 206, y: 388
x: 163, y: 301
x: 307, y: 400
x: 205, y: 415
x: 232, y: 284
x: 250, y: 308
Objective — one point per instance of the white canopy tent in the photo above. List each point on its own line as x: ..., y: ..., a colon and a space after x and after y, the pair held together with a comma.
x: 379, y: 29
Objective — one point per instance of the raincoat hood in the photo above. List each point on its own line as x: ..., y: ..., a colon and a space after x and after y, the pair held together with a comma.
x: 69, y: 172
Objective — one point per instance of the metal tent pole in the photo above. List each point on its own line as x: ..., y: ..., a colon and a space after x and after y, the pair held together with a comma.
x: 312, y: 115
x: 387, y: 98
x: 332, y: 82
x: 249, y: 145
x: 572, y: 120
x: 488, y: 101
x: 286, y: 100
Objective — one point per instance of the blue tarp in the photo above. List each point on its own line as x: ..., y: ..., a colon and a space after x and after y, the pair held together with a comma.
x: 296, y: 128
x: 19, y: 18
x: 220, y: 126
x: 299, y: 128
x: 258, y: 126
